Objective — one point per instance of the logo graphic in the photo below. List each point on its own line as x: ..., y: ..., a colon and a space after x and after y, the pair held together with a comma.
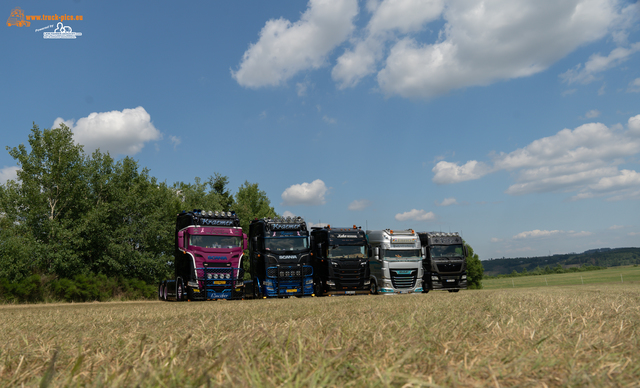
x: 61, y: 32
x: 17, y: 18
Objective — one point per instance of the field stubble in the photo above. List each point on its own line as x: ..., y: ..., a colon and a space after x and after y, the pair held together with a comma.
x: 557, y: 336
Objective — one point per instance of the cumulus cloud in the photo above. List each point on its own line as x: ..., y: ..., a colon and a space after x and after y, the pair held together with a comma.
x: 117, y: 132
x: 483, y: 42
x: 358, y: 205
x: 424, y: 48
x: 305, y: 194
x: 584, y: 160
x: 447, y: 172
x: 415, y: 215
x: 447, y: 202
x: 8, y: 173
x: 597, y: 64
x: 285, y: 48
x: 287, y: 213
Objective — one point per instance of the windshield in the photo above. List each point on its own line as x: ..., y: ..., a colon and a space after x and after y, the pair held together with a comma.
x: 348, y: 251
x: 205, y: 241
x: 401, y: 254
x: 447, y: 251
x: 286, y: 243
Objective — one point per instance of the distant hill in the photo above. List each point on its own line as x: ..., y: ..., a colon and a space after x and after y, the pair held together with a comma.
x: 602, y: 257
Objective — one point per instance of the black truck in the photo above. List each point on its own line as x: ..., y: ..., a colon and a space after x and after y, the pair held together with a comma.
x: 340, y: 261
x: 280, y: 258
x: 445, y: 265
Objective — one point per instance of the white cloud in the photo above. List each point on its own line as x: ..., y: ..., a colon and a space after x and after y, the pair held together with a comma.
x: 8, y: 173
x: 483, y: 42
x: 287, y: 213
x: 592, y: 114
x: 415, y: 215
x: 447, y: 172
x: 615, y: 227
x: 117, y: 132
x: 175, y: 141
x: 305, y: 194
x: 584, y: 160
x: 537, y: 234
x: 447, y: 202
x: 495, y: 240
x: 285, y: 48
x: 358, y: 205
x: 597, y: 64
x: 634, y: 86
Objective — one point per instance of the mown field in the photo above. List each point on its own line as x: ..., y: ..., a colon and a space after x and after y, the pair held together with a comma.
x: 577, y: 336
x: 628, y: 274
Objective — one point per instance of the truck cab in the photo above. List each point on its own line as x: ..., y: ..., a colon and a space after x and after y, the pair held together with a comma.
x: 280, y: 257
x: 340, y: 261
x: 396, y: 263
x: 445, y: 265
x: 207, y: 258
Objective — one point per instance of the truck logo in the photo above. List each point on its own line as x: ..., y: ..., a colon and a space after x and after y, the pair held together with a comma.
x: 206, y: 221
x: 216, y: 258
x: 347, y: 236
x: 285, y: 257
x: 404, y: 272
x: 398, y: 240
x: 17, y: 18
x: 285, y: 226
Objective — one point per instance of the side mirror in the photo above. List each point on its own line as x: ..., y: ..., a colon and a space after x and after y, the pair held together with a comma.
x: 424, y: 252
x: 244, y: 241
x: 376, y: 253
x: 465, y: 251
x: 370, y: 251
x: 181, y: 239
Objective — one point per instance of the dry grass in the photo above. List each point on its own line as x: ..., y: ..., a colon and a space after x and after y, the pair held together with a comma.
x: 556, y: 336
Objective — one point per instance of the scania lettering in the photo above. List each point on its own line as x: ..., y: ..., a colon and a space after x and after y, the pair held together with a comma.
x: 280, y: 258
x: 207, y: 257
x: 340, y: 261
x: 445, y: 265
x: 396, y: 264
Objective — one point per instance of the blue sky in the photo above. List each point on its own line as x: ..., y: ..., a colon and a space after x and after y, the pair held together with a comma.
x: 514, y: 122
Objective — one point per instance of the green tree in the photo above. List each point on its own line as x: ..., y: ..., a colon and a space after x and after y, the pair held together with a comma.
x: 475, y: 271
x: 251, y: 202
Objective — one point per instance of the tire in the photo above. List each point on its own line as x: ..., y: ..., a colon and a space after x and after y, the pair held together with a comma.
x: 373, y: 287
x: 160, y: 291
x: 179, y: 291
x: 318, y: 289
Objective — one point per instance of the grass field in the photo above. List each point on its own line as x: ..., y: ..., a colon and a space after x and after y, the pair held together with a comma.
x: 530, y: 337
x: 610, y: 275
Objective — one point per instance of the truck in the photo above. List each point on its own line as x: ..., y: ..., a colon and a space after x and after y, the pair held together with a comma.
x: 444, y: 263
x: 340, y: 261
x: 280, y: 257
x: 209, y: 248
x: 396, y: 263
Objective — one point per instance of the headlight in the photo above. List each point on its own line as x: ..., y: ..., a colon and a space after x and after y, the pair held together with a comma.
x: 330, y: 283
x: 309, y: 281
x: 367, y: 282
x: 434, y: 278
x: 228, y: 276
x: 464, y: 277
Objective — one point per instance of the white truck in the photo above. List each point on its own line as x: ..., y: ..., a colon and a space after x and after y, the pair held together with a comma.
x: 396, y: 264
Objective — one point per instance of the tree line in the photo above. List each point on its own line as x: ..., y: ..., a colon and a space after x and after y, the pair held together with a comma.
x: 93, y: 220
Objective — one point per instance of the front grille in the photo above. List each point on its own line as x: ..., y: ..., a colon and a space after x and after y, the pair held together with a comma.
x: 348, y: 274
x: 403, y: 278
x: 449, y: 267
x: 289, y: 271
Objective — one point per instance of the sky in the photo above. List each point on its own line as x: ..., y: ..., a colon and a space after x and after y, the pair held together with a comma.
x: 513, y: 122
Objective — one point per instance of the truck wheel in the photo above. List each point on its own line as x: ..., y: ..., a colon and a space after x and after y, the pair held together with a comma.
x: 373, y: 287
x: 164, y: 291
x: 179, y: 291
x: 160, y: 291
x: 318, y: 288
